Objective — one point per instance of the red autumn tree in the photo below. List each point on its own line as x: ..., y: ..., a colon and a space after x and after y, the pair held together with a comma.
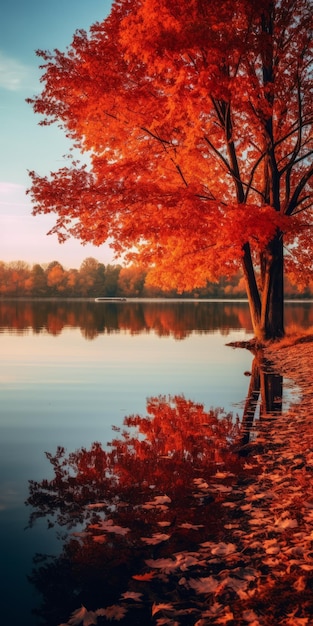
x: 197, y: 119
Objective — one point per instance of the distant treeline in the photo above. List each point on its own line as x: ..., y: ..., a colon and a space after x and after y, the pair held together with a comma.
x: 92, y: 279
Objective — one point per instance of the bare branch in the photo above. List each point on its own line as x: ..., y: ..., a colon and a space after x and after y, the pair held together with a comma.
x: 305, y: 208
x: 155, y: 136
x: 219, y: 154
x: 294, y: 202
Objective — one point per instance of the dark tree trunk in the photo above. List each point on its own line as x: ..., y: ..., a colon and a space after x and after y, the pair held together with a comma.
x: 272, y: 297
x: 251, y: 289
x: 266, y: 301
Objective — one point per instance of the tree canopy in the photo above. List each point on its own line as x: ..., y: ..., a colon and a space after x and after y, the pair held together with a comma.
x: 196, y: 121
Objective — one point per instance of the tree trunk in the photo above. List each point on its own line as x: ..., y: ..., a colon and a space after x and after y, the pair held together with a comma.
x: 267, y: 302
x: 251, y: 289
x: 272, y: 297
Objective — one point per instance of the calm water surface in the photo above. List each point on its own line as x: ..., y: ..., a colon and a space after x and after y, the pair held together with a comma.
x: 72, y: 370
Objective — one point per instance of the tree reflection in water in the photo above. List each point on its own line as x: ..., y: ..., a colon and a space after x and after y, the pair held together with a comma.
x: 176, y: 318
x: 138, y: 512
x: 265, y: 394
x: 179, y: 319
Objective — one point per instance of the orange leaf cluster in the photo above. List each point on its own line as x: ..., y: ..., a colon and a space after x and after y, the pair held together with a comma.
x: 197, y: 119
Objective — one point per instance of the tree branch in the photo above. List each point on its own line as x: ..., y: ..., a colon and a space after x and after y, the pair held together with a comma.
x: 294, y: 202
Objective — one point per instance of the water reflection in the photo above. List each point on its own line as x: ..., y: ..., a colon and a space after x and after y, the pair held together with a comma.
x: 163, y: 317
x: 141, y: 512
x: 177, y: 318
x: 146, y: 497
x: 265, y: 395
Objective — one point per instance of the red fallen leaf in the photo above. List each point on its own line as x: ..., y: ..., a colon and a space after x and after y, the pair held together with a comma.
x: 113, y: 612
x: 99, y: 538
x: 156, y: 608
x: 82, y: 617
x: 156, y: 538
x: 204, y: 585
x: 131, y: 595
x: 146, y: 576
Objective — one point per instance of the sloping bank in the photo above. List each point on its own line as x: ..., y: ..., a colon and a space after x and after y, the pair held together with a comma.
x: 276, y: 529
x: 295, y: 362
x: 265, y: 573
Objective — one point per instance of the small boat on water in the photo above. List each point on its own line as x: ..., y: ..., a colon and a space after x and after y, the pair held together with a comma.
x: 108, y: 299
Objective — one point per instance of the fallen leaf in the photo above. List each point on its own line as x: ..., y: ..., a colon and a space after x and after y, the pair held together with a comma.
x: 165, y: 565
x: 221, y: 488
x: 247, y: 573
x: 143, y: 577
x: 96, y: 505
x: 215, y: 610
x: 191, y: 526
x: 113, y: 612
x: 300, y: 584
x: 156, y: 608
x: 159, y: 502
x: 203, y: 585
x: 223, y: 549
x: 162, y: 499
x: 226, y: 618
x: 201, y: 484
x: 271, y: 546
x: 284, y: 523
x: 231, y: 526
x: 250, y: 616
x: 152, y: 505
x: 99, y: 538
x: 82, y: 616
x: 235, y: 584
x: 109, y: 526
x: 131, y: 595
x: 223, y: 474
x: 155, y: 539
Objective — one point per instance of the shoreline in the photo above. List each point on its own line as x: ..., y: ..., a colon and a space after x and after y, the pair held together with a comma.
x: 271, y: 505
x: 293, y: 359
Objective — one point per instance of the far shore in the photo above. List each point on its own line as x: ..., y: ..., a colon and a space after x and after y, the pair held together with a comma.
x: 143, y: 300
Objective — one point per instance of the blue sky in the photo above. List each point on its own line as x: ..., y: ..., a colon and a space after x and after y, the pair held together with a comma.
x: 25, y: 26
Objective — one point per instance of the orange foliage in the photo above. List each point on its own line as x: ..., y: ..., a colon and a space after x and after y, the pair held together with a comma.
x: 55, y: 277
x: 197, y: 117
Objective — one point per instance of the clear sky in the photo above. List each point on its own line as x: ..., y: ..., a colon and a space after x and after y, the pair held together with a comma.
x: 26, y: 26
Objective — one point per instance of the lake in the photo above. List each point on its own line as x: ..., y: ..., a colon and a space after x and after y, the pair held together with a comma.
x: 72, y: 370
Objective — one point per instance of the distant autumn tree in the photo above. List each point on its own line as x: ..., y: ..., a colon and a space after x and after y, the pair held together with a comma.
x: 38, y: 280
x: 88, y: 276
x: 197, y: 117
x: 131, y: 281
x: 18, y: 277
x: 56, y: 277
